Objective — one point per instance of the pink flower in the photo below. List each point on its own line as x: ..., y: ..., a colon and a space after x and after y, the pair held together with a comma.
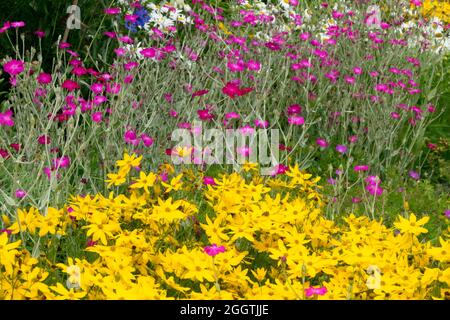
x: 131, y: 138
x: 373, y: 180
x: 44, y: 139
x: 244, y: 151
x: 447, y: 213
x: 322, y: 142
x: 232, y: 115
x: 44, y: 78
x: 296, y: 120
x: 341, y: 148
x: 209, y: 181
x: 6, y: 119
x: 294, y: 109
x: 148, y: 52
x: 113, y: 88
x: 213, y: 250
x: 374, y: 189
x: 261, y: 123
x: 247, y: 130
x: 361, y: 168
x: 97, y: 117
x: 146, y: 140
x: 70, y: 85
x: 353, y: 139
x: 417, y: 3
x: 39, y: 33
x: 356, y: 200
x: 395, y: 115
x: 233, y: 90
x: 17, y: 24
x: 253, y: 65
x: 14, y: 67
x: 200, y: 93
x: 414, y: 174
x: 204, y: 114
x: 112, y: 11
x: 62, y: 162
x: 315, y: 291
x: 20, y: 193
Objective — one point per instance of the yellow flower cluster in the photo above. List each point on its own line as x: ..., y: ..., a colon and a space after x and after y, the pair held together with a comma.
x: 437, y: 8
x: 148, y: 242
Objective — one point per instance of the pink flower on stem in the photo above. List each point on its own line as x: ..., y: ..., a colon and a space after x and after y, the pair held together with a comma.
x: 146, y: 140
x: 97, y: 117
x: 311, y: 291
x: 14, y: 67
x: 208, y: 181
x: 44, y: 78
x: 44, y: 140
x: 6, y: 119
x: 322, y: 142
x: 296, y: 120
x: 112, y: 11
x: 20, y: 193
x: 70, y: 85
x: 361, y: 168
x: 131, y: 138
x: 341, y: 148
x: 213, y: 250
x: 40, y: 34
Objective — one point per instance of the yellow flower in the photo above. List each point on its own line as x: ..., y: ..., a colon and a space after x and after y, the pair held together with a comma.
x: 412, y: 225
x: 129, y: 161
x: 175, y: 184
x: 145, y: 181
x: 7, y: 252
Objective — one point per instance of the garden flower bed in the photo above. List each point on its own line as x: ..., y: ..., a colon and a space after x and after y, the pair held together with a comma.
x: 118, y: 179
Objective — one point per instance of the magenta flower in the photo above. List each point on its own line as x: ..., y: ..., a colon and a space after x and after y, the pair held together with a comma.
x: 213, y: 250
x: 209, y: 181
x: 361, y: 168
x: 148, y: 52
x: 294, y: 109
x: 374, y: 189
x: 146, y: 140
x: 44, y: 78
x: 232, y: 115
x: 97, y: 117
x: 131, y: 138
x: 62, y: 162
x: 261, y: 123
x: 44, y: 139
x: 39, y: 33
x: 372, y: 180
x: 112, y: 11
x: 341, y: 148
x: 414, y: 174
x: 322, y: 142
x: 296, y: 120
x: 315, y: 291
x: 17, y: 24
x: 6, y: 119
x: 447, y: 213
x: 253, y: 65
x: 20, y: 193
x: 14, y: 67
x: 353, y: 139
x: 70, y: 85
